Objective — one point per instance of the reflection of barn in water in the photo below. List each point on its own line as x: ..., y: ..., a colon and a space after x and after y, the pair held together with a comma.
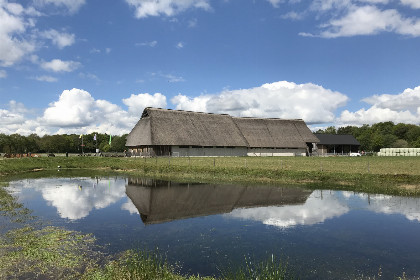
x: 162, y: 201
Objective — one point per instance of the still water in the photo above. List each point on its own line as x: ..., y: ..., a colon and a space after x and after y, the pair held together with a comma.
x: 208, y: 228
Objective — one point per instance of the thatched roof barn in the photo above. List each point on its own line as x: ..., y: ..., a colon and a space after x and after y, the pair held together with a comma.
x: 162, y: 201
x: 186, y: 133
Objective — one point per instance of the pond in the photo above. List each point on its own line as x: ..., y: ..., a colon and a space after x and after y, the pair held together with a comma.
x: 208, y: 228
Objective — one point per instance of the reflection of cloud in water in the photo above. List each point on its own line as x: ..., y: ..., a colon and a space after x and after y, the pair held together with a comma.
x: 332, y: 204
x: 130, y: 207
x: 315, y: 210
x: 71, y: 201
x: 407, y: 206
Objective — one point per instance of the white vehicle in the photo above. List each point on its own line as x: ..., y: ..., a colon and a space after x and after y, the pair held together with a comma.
x: 355, y: 154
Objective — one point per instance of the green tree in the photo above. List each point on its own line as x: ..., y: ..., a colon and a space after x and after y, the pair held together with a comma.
x: 17, y: 143
x: 364, y: 136
x: 118, y: 143
x: 413, y: 133
x: 416, y: 144
x: 400, y: 143
x: 330, y: 130
x: 347, y: 130
x: 400, y: 130
x: 32, y: 143
x: 5, y: 146
x: 383, y: 127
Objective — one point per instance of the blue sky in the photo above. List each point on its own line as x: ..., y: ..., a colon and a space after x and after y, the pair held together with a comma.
x: 79, y: 66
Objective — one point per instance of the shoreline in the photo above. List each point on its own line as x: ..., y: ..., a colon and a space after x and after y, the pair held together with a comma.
x: 366, y: 174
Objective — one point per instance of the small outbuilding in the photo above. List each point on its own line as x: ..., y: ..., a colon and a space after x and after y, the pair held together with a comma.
x: 337, y: 144
x: 164, y: 132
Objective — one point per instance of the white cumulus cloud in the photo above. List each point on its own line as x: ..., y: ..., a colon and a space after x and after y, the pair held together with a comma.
x: 74, y: 108
x: 12, y: 116
x: 415, y: 4
x: 137, y: 102
x: 370, y: 20
x: 57, y: 65
x: 60, y: 39
x: 3, y: 74
x: 146, y: 8
x: 309, y: 102
x: 403, y: 107
x: 13, y: 25
x: 346, y: 18
x: 77, y: 111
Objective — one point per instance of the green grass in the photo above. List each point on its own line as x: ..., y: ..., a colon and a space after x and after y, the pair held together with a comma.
x: 46, y: 253
x: 140, y: 265
x: 386, y: 175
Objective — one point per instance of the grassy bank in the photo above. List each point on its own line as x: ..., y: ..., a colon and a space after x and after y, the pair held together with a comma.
x: 387, y: 175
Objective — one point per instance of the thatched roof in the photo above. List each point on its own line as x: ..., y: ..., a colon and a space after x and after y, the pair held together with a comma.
x: 277, y: 133
x: 171, y: 127
x: 161, y: 201
x: 176, y: 127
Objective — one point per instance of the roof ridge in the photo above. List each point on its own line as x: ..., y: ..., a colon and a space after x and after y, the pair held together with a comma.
x: 218, y: 114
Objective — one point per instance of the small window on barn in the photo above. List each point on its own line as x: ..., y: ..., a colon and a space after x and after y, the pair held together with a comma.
x: 184, y: 147
x: 195, y: 146
x: 230, y: 147
x: 208, y: 147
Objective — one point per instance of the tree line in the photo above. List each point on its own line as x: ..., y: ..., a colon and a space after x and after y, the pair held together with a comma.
x: 371, y: 137
x: 381, y: 135
x: 63, y: 143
